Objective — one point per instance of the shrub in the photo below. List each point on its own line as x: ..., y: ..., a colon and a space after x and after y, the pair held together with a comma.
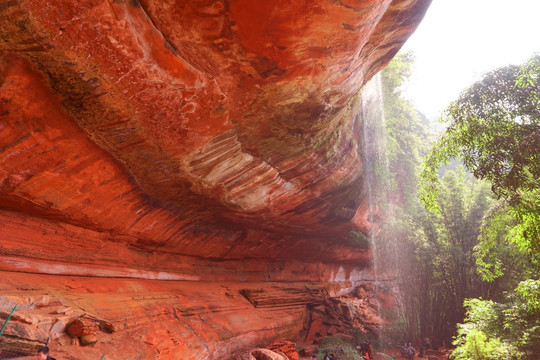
x: 358, y: 240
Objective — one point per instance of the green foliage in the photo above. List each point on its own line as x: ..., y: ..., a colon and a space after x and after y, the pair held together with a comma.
x: 507, y: 330
x: 334, y: 345
x: 396, y: 330
x: 494, y: 127
x: 490, y: 255
x: 528, y: 74
x: 526, y: 233
x: 445, y: 254
x: 436, y: 251
x: 477, y: 346
x: 406, y: 140
x: 358, y: 240
x: 440, y: 259
x: 503, y: 249
x: 396, y: 73
x: 406, y: 133
x: 359, y: 337
x: 522, y: 318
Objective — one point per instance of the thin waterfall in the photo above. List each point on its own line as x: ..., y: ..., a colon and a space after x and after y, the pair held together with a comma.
x: 375, y: 165
x: 383, y: 242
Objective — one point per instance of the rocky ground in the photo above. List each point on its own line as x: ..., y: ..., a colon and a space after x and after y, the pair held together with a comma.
x: 283, y: 350
x: 429, y: 355
x: 141, y: 321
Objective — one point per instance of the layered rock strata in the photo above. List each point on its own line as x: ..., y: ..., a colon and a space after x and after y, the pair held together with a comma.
x: 196, y: 142
x: 147, y: 319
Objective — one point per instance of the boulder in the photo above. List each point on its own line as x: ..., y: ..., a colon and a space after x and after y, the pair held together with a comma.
x: 347, y: 312
x: 288, y: 348
x: 59, y: 328
x: 265, y: 354
x: 245, y: 356
x: 368, y: 287
x: 359, y: 292
x: 81, y: 327
x: 86, y: 340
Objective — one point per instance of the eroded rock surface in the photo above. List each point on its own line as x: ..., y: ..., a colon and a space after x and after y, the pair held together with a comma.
x: 196, y: 142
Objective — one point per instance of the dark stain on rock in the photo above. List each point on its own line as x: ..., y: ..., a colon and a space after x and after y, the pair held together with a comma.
x: 266, y: 67
x: 135, y: 3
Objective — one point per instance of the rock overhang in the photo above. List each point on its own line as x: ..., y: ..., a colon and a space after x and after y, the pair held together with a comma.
x: 217, y: 116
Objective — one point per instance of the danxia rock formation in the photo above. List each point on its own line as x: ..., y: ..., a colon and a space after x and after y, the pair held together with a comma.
x: 186, y: 171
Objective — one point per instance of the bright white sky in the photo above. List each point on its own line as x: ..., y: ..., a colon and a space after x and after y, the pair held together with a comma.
x: 459, y: 40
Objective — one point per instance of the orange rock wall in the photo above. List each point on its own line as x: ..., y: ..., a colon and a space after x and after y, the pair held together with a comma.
x: 154, y: 319
x: 202, y: 141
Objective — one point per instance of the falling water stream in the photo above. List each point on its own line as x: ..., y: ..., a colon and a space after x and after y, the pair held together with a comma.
x: 375, y: 164
x: 383, y: 245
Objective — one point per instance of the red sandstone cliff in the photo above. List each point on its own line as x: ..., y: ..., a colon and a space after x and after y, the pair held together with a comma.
x: 213, y: 144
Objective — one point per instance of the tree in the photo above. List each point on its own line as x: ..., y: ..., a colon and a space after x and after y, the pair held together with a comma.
x: 435, y: 252
x: 452, y: 236
x: 406, y: 133
x: 508, y: 330
x: 494, y: 128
